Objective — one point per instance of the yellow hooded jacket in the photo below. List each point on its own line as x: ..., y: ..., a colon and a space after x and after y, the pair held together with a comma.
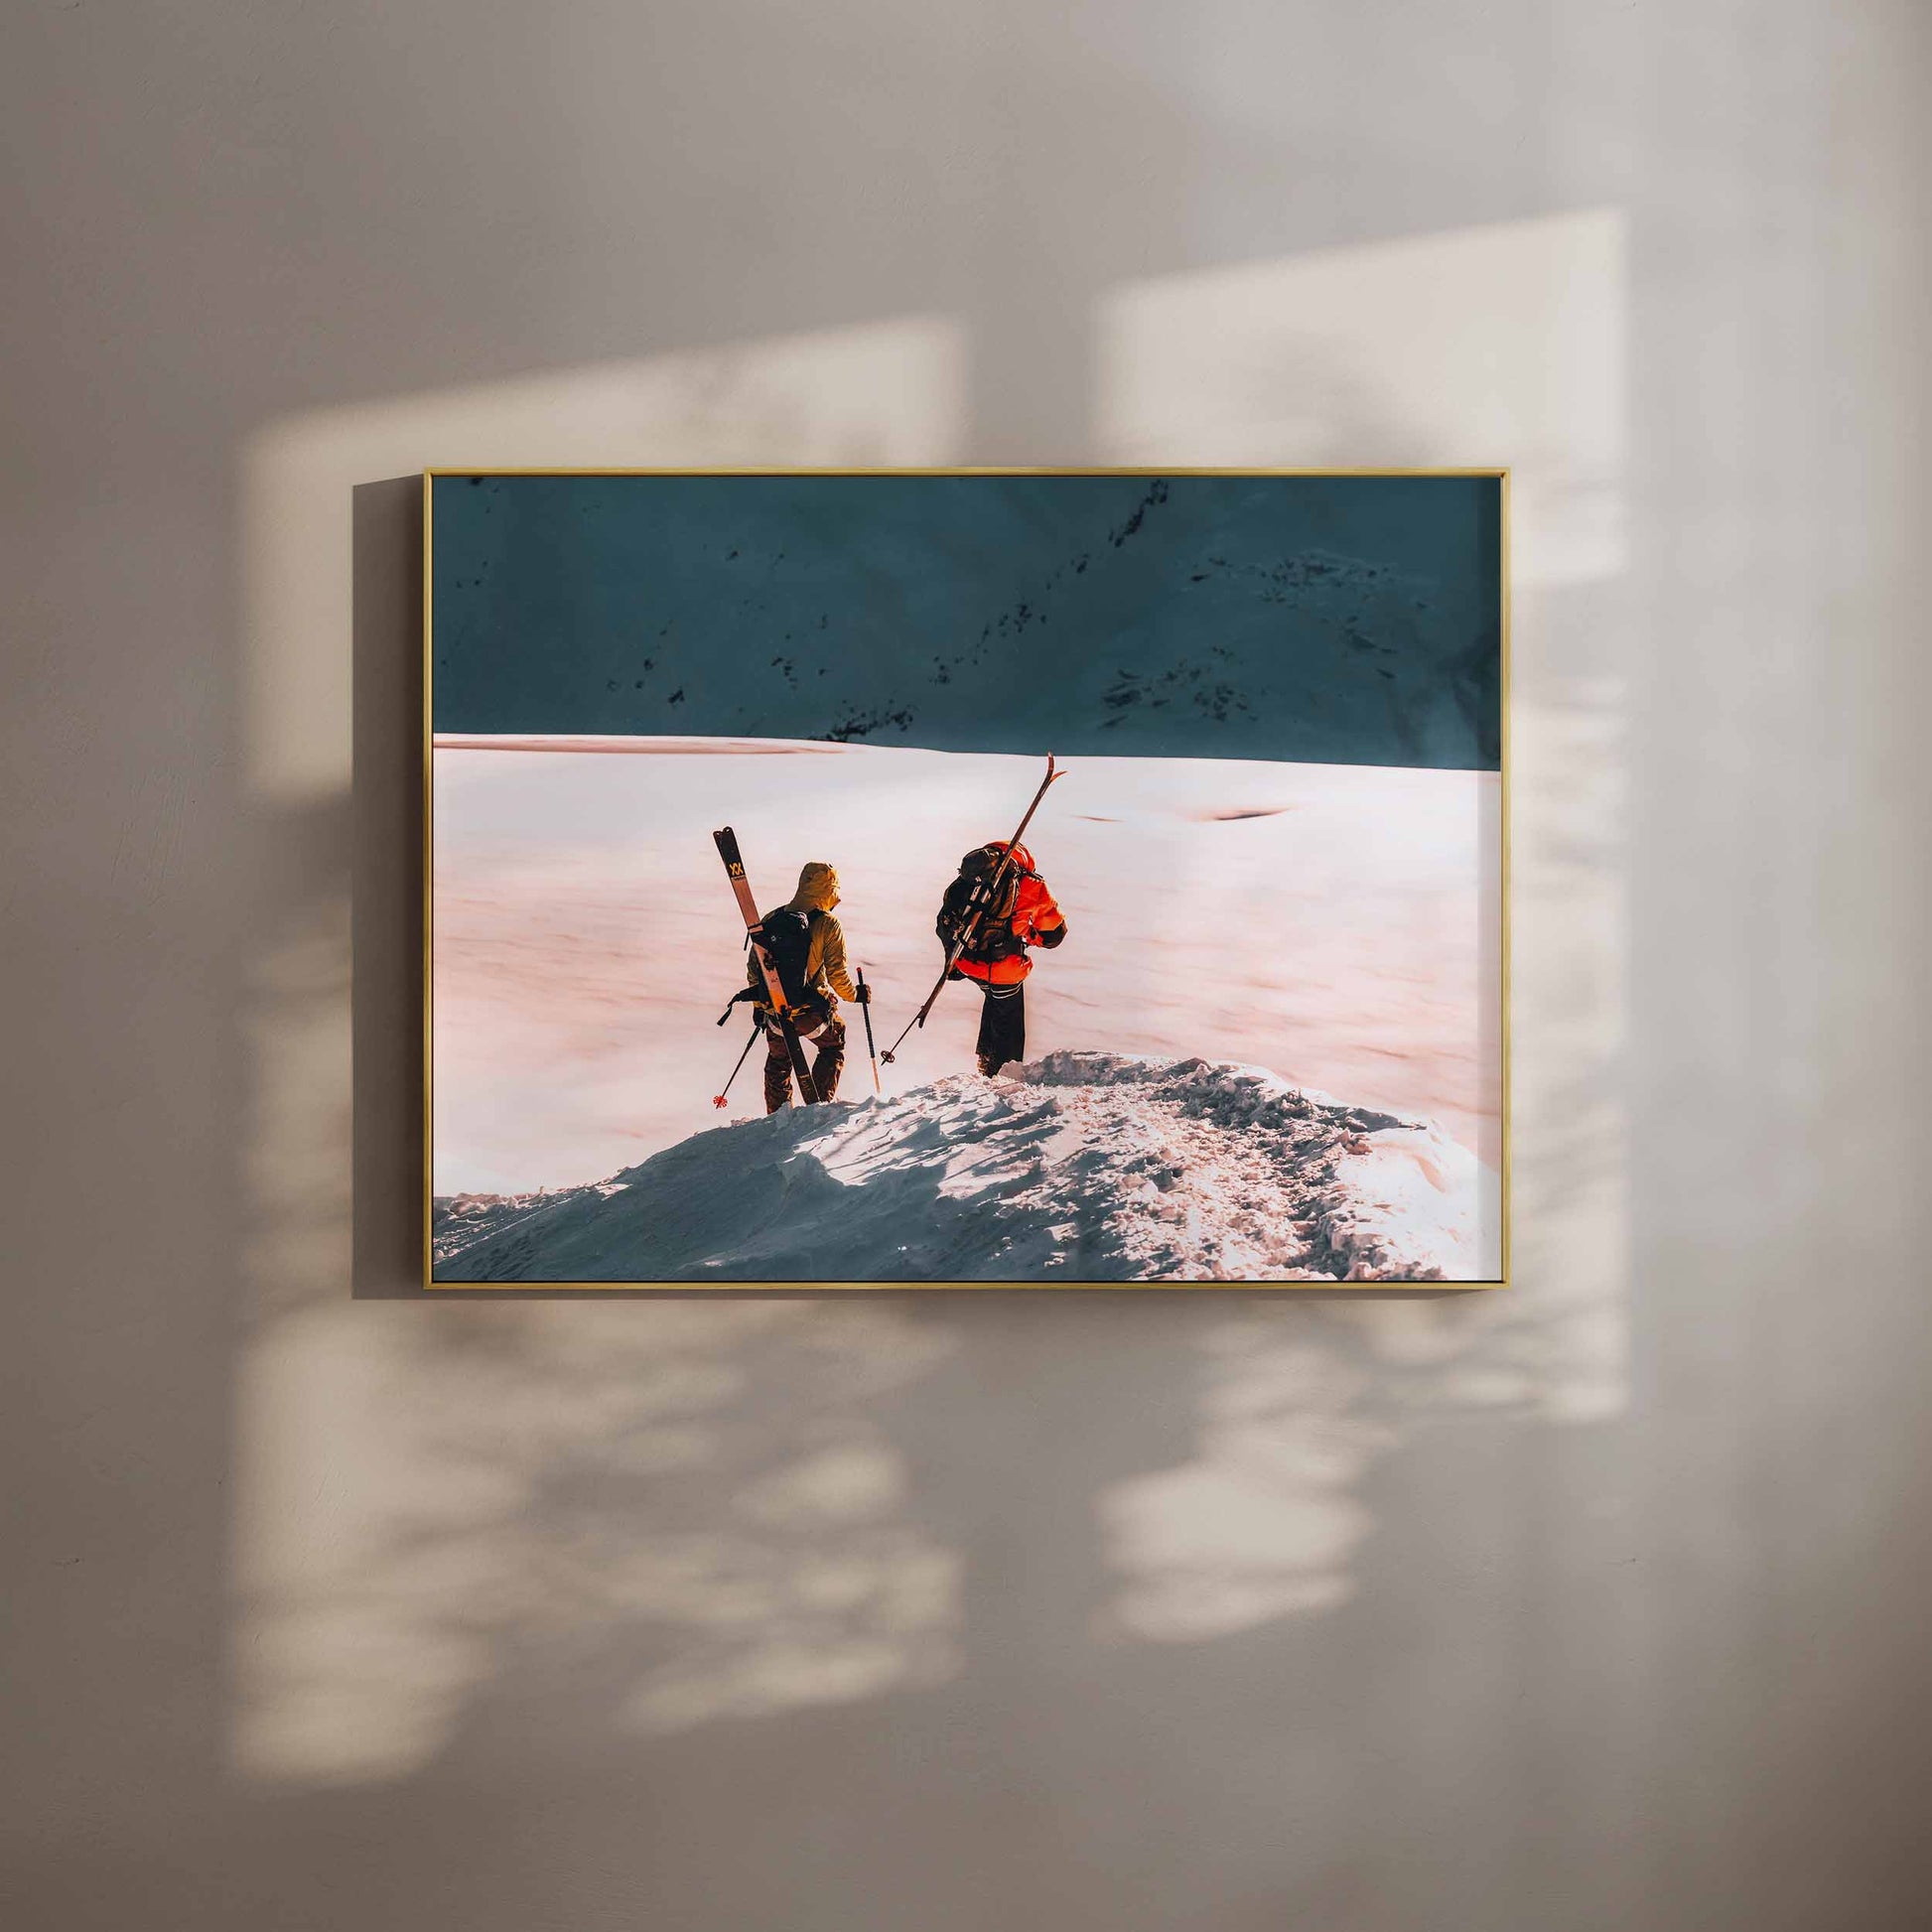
x: 825, y: 964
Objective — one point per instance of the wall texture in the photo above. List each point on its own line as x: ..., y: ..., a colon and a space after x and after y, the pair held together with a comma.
x: 1594, y: 1605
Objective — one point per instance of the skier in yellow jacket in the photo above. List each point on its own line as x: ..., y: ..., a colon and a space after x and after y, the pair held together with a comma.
x: 807, y: 945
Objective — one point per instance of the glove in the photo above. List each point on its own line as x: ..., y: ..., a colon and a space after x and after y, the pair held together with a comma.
x: 864, y: 994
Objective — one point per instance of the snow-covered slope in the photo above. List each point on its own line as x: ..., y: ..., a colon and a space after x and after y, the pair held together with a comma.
x: 1081, y: 1167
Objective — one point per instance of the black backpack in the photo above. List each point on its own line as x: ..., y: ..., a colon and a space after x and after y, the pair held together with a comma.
x: 993, y: 937
x: 787, y: 935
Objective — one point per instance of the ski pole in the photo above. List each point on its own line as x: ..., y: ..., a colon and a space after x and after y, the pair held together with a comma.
x: 966, y: 931
x: 871, y: 1052
x: 718, y: 1099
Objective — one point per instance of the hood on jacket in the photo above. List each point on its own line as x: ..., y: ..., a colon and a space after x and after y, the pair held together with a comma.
x: 818, y: 887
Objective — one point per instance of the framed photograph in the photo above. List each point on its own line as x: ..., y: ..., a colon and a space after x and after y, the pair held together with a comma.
x: 914, y: 879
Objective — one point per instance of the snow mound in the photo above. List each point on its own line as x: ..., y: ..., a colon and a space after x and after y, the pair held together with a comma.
x: 1079, y: 1166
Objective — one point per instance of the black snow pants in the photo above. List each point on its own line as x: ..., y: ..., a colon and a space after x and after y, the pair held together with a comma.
x: 1003, y: 1026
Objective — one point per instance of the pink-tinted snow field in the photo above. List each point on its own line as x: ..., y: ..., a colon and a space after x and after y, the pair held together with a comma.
x: 1337, y: 926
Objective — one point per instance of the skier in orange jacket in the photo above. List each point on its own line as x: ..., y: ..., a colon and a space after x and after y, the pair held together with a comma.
x: 1023, y: 914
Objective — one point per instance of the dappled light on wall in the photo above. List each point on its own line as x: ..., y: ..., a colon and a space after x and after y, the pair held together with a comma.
x: 636, y: 1518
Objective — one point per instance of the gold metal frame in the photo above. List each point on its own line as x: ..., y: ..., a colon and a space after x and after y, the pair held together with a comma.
x: 1502, y: 476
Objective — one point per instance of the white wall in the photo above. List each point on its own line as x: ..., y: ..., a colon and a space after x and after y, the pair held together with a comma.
x: 1596, y: 1605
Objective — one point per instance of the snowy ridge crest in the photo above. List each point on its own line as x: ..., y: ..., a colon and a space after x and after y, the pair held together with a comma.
x: 1078, y: 1167
x: 1227, y: 1092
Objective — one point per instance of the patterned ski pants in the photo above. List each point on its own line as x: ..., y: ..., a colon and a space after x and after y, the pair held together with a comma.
x: 828, y: 1036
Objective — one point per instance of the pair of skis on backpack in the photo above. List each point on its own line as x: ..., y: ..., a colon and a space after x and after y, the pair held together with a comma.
x: 985, y: 896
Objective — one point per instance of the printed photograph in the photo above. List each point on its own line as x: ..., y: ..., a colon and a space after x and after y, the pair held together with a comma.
x: 983, y: 877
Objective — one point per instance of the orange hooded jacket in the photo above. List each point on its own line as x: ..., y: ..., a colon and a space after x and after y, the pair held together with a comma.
x: 1035, y: 920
